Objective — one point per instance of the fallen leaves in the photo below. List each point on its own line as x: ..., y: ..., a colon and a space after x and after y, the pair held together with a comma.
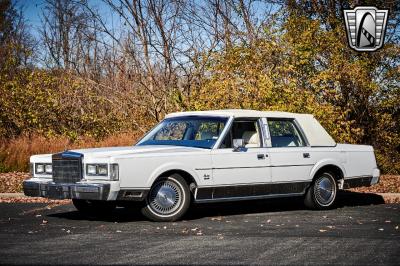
x: 387, y: 184
x: 196, y: 231
x: 12, y: 182
x: 32, y: 200
x: 65, y: 230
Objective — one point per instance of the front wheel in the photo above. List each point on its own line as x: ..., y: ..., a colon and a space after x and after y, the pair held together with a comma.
x: 168, y: 199
x: 322, y: 193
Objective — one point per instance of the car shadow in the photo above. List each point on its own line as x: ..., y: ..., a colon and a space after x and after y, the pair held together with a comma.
x: 198, y: 211
x: 344, y: 199
x: 119, y: 215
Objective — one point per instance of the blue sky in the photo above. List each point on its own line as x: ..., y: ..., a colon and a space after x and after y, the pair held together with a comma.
x: 33, y: 11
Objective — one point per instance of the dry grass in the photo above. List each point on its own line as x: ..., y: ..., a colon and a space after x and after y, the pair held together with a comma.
x: 15, y: 153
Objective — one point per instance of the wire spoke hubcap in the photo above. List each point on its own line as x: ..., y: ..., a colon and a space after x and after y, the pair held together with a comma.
x: 324, y: 190
x: 165, y: 197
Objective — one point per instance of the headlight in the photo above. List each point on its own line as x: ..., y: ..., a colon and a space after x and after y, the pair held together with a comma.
x: 48, y: 169
x: 39, y: 168
x: 43, y: 168
x: 91, y: 169
x: 97, y: 169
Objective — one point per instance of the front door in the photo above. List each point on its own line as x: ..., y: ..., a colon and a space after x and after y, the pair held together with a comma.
x: 240, y: 173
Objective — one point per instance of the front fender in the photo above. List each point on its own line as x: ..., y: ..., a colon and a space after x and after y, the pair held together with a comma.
x: 168, y: 167
x: 326, y: 162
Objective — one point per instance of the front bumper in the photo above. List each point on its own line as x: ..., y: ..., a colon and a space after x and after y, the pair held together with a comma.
x: 53, y: 190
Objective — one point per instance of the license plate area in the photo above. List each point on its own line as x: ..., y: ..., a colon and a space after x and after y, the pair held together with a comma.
x: 58, y: 192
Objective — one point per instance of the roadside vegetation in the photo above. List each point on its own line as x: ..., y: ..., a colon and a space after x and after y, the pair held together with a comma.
x: 87, y: 79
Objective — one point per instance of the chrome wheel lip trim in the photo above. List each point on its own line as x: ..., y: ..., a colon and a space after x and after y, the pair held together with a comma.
x: 321, y: 186
x: 180, y: 205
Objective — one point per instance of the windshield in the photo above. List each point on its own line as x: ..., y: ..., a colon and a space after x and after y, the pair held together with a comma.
x: 189, y: 131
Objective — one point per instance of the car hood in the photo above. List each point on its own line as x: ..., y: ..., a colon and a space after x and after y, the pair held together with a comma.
x: 135, y: 150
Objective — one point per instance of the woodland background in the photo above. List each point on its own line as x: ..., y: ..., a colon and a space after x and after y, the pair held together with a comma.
x: 89, y: 79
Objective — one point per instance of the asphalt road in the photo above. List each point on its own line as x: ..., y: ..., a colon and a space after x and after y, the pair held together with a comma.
x: 361, y: 230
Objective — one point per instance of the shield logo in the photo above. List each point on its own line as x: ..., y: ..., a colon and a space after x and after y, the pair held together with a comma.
x: 365, y: 26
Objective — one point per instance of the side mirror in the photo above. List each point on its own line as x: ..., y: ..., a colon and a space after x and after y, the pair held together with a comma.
x: 238, y: 144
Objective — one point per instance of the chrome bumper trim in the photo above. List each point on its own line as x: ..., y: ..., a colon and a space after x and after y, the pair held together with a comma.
x: 66, y: 191
x: 360, y: 181
x: 375, y: 180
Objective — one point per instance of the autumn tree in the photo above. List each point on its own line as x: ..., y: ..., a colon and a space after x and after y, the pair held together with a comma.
x: 16, y: 43
x: 70, y: 37
x: 125, y: 65
x: 304, y: 65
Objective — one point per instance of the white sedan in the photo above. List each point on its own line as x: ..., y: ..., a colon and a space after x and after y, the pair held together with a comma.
x: 207, y: 156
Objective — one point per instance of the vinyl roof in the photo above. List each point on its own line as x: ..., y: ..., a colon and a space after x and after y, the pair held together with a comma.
x: 239, y: 113
x: 315, y: 133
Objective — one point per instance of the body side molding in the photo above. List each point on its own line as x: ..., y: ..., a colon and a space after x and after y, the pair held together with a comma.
x: 253, y: 191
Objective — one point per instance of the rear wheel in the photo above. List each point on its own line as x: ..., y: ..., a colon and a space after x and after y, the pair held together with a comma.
x: 168, y: 199
x: 322, y: 193
x: 94, y: 207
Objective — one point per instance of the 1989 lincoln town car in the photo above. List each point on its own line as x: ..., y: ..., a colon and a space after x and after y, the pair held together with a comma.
x: 208, y: 156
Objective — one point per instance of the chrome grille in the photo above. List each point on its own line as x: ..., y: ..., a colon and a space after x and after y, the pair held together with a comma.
x: 67, y: 167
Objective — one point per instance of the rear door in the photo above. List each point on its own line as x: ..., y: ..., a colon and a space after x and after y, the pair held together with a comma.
x: 290, y: 155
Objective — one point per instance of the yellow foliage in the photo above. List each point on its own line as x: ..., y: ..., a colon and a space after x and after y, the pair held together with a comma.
x: 307, y: 69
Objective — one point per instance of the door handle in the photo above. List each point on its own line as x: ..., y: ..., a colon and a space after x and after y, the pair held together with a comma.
x: 306, y: 155
x: 260, y: 156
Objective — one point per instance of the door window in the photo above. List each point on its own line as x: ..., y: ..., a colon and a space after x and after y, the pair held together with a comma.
x: 284, y: 133
x: 209, y: 130
x: 243, y: 129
